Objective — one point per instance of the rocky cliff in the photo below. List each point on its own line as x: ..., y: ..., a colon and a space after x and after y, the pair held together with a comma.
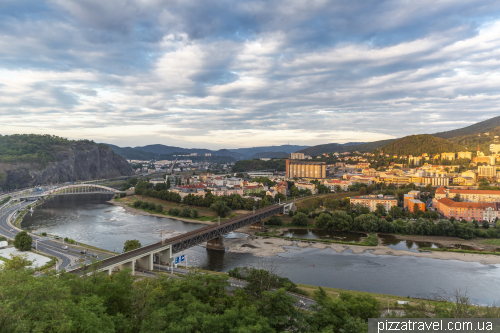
x: 79, y: 161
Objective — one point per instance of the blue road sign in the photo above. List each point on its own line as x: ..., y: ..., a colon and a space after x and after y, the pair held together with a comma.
x: 183, y: 257
x: 176, y: 260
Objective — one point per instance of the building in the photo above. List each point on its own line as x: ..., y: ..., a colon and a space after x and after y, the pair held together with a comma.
x: 155, y: 181
x: 302, y: 169
x: 333, y: 183
x: 436, y: 181
x: 297, y: 156
x: 487, y: 171
x: 466, y: 210
x: 418, y: 203
x: 371, y: 201
x: 495, y: 148
x: 465, y: 155
x: 306, y: 186
x: 448, y: 156
x: 469, y: 195
x: 255, y: 174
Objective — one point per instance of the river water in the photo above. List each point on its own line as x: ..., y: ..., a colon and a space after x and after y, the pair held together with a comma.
x: 89, y: 219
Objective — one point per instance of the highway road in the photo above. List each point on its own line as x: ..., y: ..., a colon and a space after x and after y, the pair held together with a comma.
x: 48, y: 247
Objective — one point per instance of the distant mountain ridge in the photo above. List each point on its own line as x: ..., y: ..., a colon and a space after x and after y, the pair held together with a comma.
x: 340, y: 148
x: 159, y: 151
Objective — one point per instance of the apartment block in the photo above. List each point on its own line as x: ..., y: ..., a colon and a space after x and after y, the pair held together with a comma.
x: 487, y: 171
x: 479, y: 211
x: 297, y: 156
x: 371, y: 201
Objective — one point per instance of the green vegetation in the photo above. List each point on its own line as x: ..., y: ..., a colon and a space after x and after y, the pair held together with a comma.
x: 300, y: 219
x: 333, y: 147
x: 4, y: 200
x: 275, y: 220
x: 256, y: 164
x: 131, y: 245
x: 34, y: 148
x: 69, y: 240
x: 458, y: 251
x: 186, y: 212
x: 23, y: 241
x: 491, y: 242
x: 419, y: 144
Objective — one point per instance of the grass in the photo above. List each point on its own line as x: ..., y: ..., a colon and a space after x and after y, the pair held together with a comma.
x: 382, y: 298
x: 495, y: 241
x: 4, y: 259
x: 268, y: 234
x: 51, y: 263
x: 459, y: 251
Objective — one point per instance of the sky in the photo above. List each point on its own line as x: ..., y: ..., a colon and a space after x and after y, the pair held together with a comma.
x: 228, y: 74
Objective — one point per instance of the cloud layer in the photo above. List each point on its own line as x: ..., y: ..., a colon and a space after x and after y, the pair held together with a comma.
x: 236, y: 74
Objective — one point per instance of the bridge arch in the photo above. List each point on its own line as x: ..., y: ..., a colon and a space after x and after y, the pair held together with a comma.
x: 80, y: 188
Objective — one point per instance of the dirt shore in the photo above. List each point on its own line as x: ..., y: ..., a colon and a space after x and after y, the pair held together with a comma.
x: 133, y: 211
x: 269, y: 246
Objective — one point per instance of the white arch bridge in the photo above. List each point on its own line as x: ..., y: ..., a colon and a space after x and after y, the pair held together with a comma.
x: 73, y: 189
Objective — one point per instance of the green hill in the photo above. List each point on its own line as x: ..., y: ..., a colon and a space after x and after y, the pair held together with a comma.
x: 481, y: 127
x: 35, y: 148
x: 340, y: 148
x: 419, y: 144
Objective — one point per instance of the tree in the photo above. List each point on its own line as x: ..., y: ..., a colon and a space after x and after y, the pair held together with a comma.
x: 381, y: 209
x: 294, y: 191
x: 341, y: 221
x: 324, y: 221
x: 159, y: 208
x: 131, y: 245
x: 275, y: 220
x: 300, y: 219
x: 457, y: 198
x: 23, y: 241
x: 194, y: 213
x: 486, y: 224
x: 220, y: 208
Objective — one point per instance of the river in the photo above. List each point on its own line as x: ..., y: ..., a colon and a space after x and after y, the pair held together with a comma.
x: 89, y: 219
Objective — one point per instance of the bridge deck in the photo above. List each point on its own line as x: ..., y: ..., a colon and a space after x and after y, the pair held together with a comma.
x: 195, y: 237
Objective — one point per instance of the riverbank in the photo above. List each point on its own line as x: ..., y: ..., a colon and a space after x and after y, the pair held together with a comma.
x: 133, y: 211
x: 270, y: 246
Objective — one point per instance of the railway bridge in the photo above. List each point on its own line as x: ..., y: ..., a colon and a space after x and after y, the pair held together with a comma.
x: 164, y: 250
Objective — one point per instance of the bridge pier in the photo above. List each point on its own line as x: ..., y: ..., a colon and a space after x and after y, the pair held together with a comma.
x: 216, y: 244
x: 146, y: 262
x: 130, y: 264
x: 258, y: 225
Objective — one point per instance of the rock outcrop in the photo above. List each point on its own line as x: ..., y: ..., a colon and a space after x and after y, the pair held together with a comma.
x: 77, y: 163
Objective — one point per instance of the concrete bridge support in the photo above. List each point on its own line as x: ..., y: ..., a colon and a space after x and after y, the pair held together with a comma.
x: 164, y: 256
x: 258, y: 226
x: 146, y: 262
x: 216, y: 244
x: 130, y: 264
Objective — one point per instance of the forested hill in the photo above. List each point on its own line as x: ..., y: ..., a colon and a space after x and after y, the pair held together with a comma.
x: 35, y: 148
x: 419, y: 144
x: 481, y: 127
x: 340, y: 148
x: 31, y: 160
x: 255, y: 164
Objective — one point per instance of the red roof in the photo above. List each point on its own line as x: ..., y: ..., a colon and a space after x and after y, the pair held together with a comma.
x: 450, y: 203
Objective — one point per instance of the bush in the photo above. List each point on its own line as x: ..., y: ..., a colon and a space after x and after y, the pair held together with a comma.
x: 324, y: 221
x: 486, y: 224
x: 123, y: 195
x: 131, y: 245
x: 159, y: 208
x: 300, y: 219
x: 144, y: 205
x: 137, y: 203
x: 194, y: 213
x: 371, y: 240
x: 43, y: 234
x: 173, y: 211
x: 185, y: 212
x: 152, y: 206
x: 290, y: 213
x: 23, y: 241
x: 275, y: 220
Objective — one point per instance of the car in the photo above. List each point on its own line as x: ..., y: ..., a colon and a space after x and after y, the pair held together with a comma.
x: 11, y: 230
x: 64, y: 247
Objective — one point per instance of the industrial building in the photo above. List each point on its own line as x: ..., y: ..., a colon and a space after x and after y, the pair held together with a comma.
x: 303, y: 169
